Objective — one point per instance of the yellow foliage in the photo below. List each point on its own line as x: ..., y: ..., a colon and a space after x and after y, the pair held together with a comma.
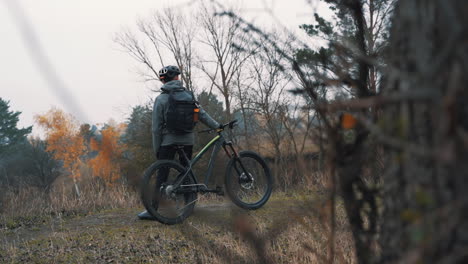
x: 63, y: 139
x: 67, y: 144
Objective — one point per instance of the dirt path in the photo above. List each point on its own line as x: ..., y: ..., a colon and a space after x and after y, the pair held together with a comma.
x: 207, y: 236
x: 117, y: 218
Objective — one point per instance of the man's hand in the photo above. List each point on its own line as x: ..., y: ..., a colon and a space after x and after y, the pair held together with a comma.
x: 220, y: 128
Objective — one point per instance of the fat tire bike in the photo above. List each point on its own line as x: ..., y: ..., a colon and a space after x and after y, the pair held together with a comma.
x: 169, y: 190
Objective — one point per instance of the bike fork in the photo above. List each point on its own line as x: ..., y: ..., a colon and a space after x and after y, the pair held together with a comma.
x: 233, y: 154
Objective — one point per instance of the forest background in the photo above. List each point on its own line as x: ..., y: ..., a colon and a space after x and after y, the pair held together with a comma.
x: 372, y: 119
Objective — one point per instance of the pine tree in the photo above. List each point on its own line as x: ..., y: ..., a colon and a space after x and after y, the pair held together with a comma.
x: 336, y: 59
x: 10, y: 134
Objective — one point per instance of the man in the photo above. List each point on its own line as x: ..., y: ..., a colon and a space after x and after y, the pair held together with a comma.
x: 165, y: 140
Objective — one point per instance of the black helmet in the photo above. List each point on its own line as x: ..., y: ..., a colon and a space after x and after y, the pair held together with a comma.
x: 168, y: 73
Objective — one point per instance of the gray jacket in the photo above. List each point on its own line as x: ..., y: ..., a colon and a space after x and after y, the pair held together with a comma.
x: 161, y: 136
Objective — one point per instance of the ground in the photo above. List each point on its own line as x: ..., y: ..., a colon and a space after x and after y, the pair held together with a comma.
x: 284, y: 231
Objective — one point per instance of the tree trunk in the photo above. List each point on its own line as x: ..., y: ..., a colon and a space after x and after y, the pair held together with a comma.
x: 77, y: 190
x: 424, y: 196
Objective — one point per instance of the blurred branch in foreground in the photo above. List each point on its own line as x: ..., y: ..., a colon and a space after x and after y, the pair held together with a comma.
x: 38, y: 55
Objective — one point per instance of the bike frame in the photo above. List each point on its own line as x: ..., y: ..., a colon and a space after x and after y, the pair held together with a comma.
x: 217, y: 143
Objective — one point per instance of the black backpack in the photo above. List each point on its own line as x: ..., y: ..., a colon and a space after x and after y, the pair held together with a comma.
x: 182, y: 112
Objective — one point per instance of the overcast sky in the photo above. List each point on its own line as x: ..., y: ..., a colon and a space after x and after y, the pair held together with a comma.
x: 76, y: 37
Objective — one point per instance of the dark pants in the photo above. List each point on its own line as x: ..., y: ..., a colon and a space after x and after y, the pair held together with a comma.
x: 168, y: 152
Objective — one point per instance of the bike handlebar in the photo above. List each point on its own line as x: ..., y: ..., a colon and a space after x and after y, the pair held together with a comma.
x: 220, y: 128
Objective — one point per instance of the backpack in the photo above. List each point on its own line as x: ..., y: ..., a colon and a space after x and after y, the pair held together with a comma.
x: 182, y: 112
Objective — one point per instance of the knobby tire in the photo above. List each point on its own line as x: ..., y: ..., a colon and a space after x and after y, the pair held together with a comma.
x: 245, y: 194
x: 157, y: 203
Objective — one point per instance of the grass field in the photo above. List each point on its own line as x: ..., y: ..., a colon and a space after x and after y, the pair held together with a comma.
x: 289, y: 229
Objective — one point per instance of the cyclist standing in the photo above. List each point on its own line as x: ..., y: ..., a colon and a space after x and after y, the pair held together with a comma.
x: 172, y: 120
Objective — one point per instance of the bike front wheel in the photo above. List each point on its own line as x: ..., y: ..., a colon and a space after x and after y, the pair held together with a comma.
x: 248, y: 180
x: 168, y: 205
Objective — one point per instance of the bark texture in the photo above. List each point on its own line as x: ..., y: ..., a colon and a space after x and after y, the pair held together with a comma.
x: 425, y: 186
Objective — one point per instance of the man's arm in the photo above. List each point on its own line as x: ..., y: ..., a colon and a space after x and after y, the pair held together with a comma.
x: 206, y: 119
x: 157, y: 124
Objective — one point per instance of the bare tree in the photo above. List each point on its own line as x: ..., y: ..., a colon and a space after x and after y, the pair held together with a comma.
x: 270, y: 83
x: 227, y: 44
x: 138, y: 51
x: 298, y: 124
x: 244, y: 93
x: 165, y: 31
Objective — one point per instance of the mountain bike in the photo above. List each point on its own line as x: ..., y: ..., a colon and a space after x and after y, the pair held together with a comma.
x: 169, y: 190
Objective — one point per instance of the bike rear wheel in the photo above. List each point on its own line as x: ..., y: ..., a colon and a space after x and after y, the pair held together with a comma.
x: 168, y: 207
x: 248, y: 180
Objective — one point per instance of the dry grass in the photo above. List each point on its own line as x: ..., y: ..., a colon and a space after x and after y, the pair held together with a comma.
x: 94, y: 196
x: 101, y: 227
x: 284, y: 231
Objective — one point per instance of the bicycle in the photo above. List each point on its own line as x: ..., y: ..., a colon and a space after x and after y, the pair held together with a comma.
x: 170, y: 191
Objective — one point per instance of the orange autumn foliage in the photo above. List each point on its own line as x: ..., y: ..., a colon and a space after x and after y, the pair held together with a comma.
x: 348, y: 121
x: 105, y: 164
x: 63, y: 139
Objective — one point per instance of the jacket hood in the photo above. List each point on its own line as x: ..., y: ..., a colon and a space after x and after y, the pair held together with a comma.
x: 174, y: 84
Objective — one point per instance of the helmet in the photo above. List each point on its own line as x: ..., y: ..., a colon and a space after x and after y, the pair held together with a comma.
x: 168, y: 73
